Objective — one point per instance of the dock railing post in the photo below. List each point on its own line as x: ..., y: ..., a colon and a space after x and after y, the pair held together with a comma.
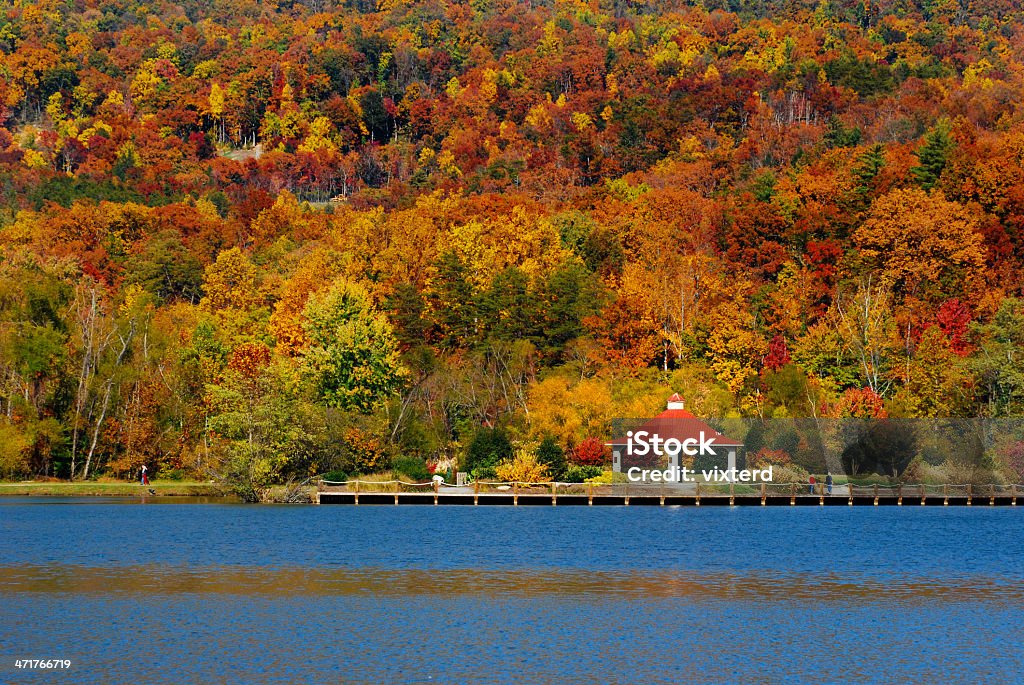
x: 554, y: 493
x: 945, y: 494
x: 922, y: 494
x: 849, y: 492
x: 357, y: 492
x: 1013, y: 494
x: 698, y: 494
x: 876, y: 494
x: 590, y: 494
x: 476, y: 492
x: 969, y: 494
x: 991, y: 494
x: 764, y: 488
x: 437, y: 488
x: 663, y: 493
x: 515, y: 493
x: 899, y: 494
x: 732, y: 494
x: 792, y: 494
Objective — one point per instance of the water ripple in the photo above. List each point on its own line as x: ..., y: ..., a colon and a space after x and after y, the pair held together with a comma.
x: 150, y: 579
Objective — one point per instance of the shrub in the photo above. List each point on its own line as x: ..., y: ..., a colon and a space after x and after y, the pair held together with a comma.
x: 609, y: 477
x: 551, y: 455
x: 336, y: 476
x: 789, y: 474
x: 766, y: 457
x: 173, y: 474
x: 918, y: 471
x: 959, y: 473
x: 490, y: 446
x: 523, y: 468
x: 579, y: 473
x: 484, y: 473
x: 867, y: 479
x: 590, y: 452
x: 1015, y: 460
x: 363, y: 452
x: 413, y: 468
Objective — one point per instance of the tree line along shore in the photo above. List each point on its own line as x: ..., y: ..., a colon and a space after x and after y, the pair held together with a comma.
x: 257, y: 243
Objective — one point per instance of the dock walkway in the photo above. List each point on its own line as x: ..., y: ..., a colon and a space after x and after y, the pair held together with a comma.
x: 687, y: 494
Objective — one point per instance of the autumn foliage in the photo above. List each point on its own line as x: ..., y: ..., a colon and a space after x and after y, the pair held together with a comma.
x: 258, y: 240
x: 590, y: 452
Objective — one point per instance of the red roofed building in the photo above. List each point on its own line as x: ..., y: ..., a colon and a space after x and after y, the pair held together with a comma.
x: 678, y: 424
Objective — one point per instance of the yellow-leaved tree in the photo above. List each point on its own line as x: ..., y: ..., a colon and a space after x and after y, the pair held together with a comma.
x: 522, y: 468
x: 735, y: 347
x: 351, y: 359
x: 231, y: 283
x: 569, y: 411
x: 938, y: 382
x: 314, y: 274
x: 235, y: 296
x: 518, y: 239
x: 923, y: 245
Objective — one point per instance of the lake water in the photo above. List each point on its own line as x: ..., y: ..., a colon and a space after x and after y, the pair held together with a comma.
x: 227, y: 593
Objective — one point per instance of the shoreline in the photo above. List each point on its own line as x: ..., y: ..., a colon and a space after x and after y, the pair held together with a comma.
x: 100, y: 489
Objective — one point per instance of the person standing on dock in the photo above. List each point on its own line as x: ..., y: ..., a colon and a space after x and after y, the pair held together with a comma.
x: 143, y: 478
x: 810, y: 484
x: 828, y: 482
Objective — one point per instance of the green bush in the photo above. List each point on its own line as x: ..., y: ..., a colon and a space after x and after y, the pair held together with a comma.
x: 607, y: 477
x: 484, y: 473
x: 489, y: 448
x: 551, y: 455
x: 336, y: 476
x: 578, y: 473
x: 413, y: 468
x: 173, y: 474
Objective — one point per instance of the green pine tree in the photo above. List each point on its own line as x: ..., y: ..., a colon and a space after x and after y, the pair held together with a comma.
x: 453, y: 302
x: 933, y: 155
x: 552, y: 455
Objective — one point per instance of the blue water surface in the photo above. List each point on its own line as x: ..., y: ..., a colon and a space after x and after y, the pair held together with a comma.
x: 211, y: 593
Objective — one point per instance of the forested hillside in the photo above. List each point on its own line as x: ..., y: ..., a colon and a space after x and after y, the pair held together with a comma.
x: 266, y: 240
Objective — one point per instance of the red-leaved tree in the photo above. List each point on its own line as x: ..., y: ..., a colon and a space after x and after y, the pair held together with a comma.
x: 589, y: 452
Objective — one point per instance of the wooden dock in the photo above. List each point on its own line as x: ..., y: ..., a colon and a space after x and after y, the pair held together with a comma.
x: 695, y: 495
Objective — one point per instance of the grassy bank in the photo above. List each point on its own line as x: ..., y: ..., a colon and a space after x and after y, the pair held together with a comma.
x: 166, y: 488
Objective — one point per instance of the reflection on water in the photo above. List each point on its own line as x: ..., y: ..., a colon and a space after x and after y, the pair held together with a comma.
x: 145, y: 498
x: 232, y: 593
x: 379, y: 582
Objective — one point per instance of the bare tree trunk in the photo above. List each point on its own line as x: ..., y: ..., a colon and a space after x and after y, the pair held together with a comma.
x: 88, y: 326
x: 96, y: 430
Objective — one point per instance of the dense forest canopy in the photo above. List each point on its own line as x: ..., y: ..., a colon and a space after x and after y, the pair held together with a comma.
x: 262, y: 240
